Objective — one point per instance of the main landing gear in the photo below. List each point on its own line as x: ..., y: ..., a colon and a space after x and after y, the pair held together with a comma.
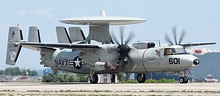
x: 93, y: 78
x: 141, y: 77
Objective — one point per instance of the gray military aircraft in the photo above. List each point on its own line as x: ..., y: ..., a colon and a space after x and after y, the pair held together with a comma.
x: 109, y: 57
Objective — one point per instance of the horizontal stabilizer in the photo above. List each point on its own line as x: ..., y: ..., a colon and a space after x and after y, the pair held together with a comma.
x: 76, y: 34
x: 59, y: 45
x: 62, y: 35
x: 13, y: 50
x: 34, y: 34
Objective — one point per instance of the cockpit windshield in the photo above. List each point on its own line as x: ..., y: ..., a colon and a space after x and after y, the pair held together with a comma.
x: 174, y: 51
x: 180, y: 51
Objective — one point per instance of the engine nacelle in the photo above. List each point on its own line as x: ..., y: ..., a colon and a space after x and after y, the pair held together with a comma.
x: 99, y: 66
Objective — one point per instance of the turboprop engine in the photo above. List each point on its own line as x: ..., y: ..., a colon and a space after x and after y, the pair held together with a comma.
x: 100, y: 66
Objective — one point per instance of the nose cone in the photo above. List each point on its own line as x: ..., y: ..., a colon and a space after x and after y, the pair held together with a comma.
x: 196, y: 61
x: 190, y: 60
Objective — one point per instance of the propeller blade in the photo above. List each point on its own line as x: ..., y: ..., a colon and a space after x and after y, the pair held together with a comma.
x: 130, y: 37
x: 168, y: 39
x: 122, y: 34
x: 174, y: 35
x: 182, y: 36
x: 114, y: 38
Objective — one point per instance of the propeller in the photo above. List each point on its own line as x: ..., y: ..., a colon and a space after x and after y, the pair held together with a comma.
x: 123, y: 48
x: 183, y: 33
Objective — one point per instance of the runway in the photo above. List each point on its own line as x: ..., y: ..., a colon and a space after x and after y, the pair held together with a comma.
x: 57, y: 89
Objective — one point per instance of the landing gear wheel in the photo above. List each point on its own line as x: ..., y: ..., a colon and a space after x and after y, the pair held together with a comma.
x: 94, y: 79
x: 186, y: 80
x: 141, y: 78
x: 183, y: 80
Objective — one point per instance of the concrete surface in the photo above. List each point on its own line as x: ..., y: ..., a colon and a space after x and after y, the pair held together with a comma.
x: 57, y: 89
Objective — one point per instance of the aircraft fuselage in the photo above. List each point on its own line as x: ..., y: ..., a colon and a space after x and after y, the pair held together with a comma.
x: 143, y: 61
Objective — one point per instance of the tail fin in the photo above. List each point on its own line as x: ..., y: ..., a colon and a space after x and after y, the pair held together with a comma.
x: 13, y: 50
x: 76, y: 34
x: 34, y: 34
x: 62, y: 35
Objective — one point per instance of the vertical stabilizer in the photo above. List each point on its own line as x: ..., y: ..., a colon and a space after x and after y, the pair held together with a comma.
x: 13, y: 48
x: 34, y: 34
x: 62, y: 35
x: 76, y: 34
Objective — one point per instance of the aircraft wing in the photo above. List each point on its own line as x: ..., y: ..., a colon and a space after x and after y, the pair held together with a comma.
x: 36, y: 46
x: 197, y: 44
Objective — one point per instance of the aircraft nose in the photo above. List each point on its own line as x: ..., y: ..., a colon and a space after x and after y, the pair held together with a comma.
x: 196, y: 61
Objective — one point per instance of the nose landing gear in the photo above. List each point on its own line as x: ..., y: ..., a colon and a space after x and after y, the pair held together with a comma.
x: 183, y: 78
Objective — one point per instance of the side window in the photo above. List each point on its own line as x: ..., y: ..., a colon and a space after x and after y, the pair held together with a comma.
x: 168, y: 51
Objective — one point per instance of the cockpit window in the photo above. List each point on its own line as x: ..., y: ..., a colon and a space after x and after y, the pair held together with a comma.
x: 169, y: 51
x: 180, y: 51
x: 174, y: 51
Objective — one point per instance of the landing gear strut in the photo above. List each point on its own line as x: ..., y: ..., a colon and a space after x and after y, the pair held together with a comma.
x: 141, y: 78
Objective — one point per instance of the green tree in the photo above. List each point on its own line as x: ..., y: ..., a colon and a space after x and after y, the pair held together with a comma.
x: 16, y: 71
x: 120, y: 76
x: 82, y: 78
x: 33, y: 73
x: 2, y: 72
x: 63, y: 77
x: 9, y: 71
x: 127, y: 76
x: 48, y: 78
x: 71, y: 78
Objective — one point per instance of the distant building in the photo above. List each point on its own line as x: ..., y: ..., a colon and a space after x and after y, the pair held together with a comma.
x: 209, y: 64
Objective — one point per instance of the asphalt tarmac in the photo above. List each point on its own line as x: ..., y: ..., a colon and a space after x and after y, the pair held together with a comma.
x: 85, y: 89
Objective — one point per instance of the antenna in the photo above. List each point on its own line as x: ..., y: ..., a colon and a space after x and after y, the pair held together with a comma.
x: 102, y: 13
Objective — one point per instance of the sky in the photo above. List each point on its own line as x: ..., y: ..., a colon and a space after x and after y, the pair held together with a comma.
x: 199, y: 18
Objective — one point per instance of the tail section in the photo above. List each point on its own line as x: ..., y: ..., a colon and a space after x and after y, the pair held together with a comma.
x: 76, y: 34
x: 62, y: 35
x: 34, y: 34
x: 13, y: 49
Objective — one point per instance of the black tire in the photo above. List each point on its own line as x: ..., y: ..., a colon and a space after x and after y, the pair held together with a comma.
x: 94, y: 79
x: 140, y: 78
x: 186, y: 80
x: 183, y: 80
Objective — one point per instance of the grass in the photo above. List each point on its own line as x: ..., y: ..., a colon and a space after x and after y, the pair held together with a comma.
x: 163, y: 80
